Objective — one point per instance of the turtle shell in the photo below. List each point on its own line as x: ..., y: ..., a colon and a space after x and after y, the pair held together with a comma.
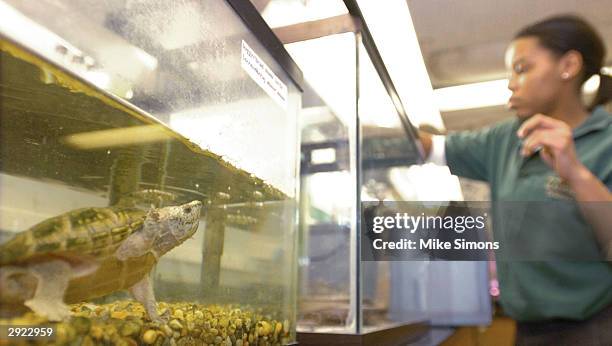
x: 112, y: 275
x: 91, y: 232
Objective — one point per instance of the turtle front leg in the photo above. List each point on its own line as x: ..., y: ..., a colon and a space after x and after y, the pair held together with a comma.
x: 142, y: 291
x: 48, y: 300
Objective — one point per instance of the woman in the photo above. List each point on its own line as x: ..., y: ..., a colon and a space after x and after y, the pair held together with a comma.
x: 555, y: 149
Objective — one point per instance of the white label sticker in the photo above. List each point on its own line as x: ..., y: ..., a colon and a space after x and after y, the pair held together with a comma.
x: 263, y: 75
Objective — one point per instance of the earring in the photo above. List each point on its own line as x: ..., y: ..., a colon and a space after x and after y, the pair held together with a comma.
x: 565, y: 75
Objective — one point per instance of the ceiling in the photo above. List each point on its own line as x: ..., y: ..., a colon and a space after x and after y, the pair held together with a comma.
x: 465, y: 41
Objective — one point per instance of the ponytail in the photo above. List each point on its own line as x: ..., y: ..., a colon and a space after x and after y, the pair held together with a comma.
x: 604, y: 93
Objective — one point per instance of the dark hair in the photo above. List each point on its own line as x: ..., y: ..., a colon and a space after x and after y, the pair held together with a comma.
x: 565, y: 33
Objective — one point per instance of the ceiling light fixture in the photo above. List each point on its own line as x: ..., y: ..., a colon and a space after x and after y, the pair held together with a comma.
x: 392, y: 29
x: 474, y: 95
x: 486, y: 94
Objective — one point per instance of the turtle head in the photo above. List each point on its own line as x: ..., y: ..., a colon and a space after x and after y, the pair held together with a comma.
x: 175, y: 224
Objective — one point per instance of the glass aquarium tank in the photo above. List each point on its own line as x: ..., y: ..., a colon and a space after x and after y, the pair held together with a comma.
x: 149, y: 159
x: 352, y: 139
x: 358, y: 147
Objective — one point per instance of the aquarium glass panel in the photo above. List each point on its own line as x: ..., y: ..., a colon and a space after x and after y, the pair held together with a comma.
x: 148, y: 175
x: 328, y: 204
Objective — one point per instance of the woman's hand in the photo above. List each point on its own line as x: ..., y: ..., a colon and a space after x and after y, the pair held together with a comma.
x: 553, y: 138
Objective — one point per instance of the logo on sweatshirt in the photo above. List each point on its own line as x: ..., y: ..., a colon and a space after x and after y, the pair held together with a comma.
x: 558, y: 188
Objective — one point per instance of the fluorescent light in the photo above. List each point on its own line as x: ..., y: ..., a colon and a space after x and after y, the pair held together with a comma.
x: 375, y: 106
x: 475, y: 95
x: 485, y: 94
x: 392, y: 29
x: 332, y: 74
x: 118, y: 137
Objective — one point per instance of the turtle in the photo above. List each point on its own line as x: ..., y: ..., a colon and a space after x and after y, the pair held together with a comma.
x: 91, y: 252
